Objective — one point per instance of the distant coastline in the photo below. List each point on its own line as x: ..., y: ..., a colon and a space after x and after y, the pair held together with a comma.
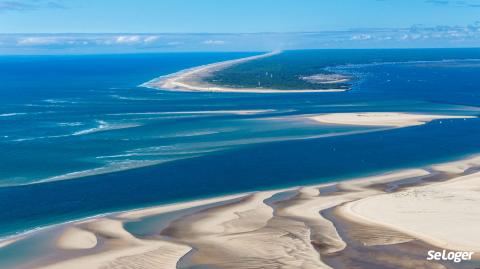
x: 192, y: 79
x: 245, y: 180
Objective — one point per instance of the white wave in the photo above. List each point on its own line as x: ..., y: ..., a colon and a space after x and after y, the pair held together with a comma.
x: 70, y: 124
x: 119, y: 97
x: 59, y: 101
x: 180, y: 151
x: 44, y: 105
x: 181, y: 154
x: 12, y: 114
x: 39, y: 137
x: 196, y: 133
x: 108, y: 168
x: 104, y: 126
x: 235, y: 112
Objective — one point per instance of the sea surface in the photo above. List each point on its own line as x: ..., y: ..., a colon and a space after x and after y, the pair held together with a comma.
x: 79, y: 137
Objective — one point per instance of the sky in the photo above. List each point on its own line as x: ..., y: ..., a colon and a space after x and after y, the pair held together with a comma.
x: 92, y: 26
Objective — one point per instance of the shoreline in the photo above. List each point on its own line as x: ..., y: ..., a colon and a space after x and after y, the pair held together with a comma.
x: 190, y: 80
x: 376, y: 176
x: 385, y: 119
x: 340, y: 194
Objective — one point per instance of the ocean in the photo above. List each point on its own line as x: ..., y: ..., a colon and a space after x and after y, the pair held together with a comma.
x: 80, y: 137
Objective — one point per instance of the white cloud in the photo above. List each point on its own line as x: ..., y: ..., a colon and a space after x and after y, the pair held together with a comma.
x: 214, y: 42
x: 415, y: 36
x: 361, y: 37
x: 37, y: 41
x: 404, y: 37
x: 150, y: 39
x: 127, y: 39
x: 50, y: 40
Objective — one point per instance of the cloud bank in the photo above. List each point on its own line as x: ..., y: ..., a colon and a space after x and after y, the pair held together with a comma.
x: 415, y: 36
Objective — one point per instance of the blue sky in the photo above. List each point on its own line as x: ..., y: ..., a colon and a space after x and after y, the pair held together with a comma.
x: 54, y: 26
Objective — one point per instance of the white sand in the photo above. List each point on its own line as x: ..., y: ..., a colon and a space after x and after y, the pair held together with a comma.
x: 242, y: 235
x: 458, y: 167
x: 312, y: 202
x: 308, y: 211
x: 190, y: 79
x: 123, y: 250
x: 386, y: 119
x: 75, y: 238
x: 140, y: 213
x: 224, y: 219
x: 444, y: 214
x: 363, y: 184
x: 7, y: 242
x: 246, y: 233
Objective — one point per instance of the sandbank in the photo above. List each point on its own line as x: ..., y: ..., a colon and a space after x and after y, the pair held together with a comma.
x: 298, y: 230
x: 192, y: 79
x: 444, y: 214
x: 385, y: 119
x: 75, y: 238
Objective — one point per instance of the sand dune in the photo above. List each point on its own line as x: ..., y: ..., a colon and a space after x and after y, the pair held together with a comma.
x: 306, y: 208
x: 346, y: 224
x: 309, y: 203
x: 121, y: 249
x: 250, y: 214
x: 136, y: 214
x: 247, y: 235
x: 444, y: 214
x: 75, y: 238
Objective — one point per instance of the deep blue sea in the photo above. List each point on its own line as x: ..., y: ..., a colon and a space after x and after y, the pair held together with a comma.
x: 79, y: 137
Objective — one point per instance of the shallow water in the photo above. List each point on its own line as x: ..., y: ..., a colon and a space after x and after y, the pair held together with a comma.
x: 82, y: 120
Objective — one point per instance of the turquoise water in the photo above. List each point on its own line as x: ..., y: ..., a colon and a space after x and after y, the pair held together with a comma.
x: 93, y: 142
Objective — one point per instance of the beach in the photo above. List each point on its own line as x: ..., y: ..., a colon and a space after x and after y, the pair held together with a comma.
x: 409, y: 211
x: 386, y: 119
x: 192, y: 79
x: 100, y: 173
x: 239, y: 134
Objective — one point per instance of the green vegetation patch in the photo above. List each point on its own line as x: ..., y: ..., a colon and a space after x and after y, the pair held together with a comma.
x: 307, y: 69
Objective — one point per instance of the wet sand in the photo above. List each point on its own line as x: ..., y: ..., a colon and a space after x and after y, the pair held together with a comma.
x: 385, y: 221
